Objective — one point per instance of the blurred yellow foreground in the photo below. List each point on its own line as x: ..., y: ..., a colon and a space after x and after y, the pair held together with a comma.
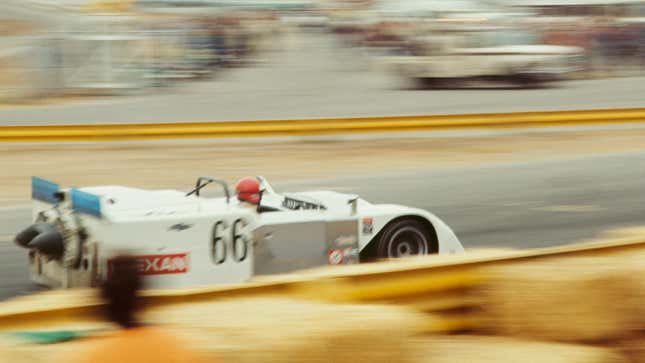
x: 582, y: 307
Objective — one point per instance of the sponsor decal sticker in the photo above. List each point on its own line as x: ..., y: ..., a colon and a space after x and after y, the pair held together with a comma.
x: 368, y: 225
x: 349, y: 252
x: 335, y: 257
x: 160, y: 264
x: 345, y: 240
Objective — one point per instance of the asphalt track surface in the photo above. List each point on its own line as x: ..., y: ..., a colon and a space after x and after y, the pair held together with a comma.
x: 311, y: 75
x: 520, y: 205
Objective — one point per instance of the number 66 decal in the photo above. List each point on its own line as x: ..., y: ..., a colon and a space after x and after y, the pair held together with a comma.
x: 238, y: 242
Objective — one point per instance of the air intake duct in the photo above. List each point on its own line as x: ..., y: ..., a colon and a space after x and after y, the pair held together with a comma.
x: 43, y: 237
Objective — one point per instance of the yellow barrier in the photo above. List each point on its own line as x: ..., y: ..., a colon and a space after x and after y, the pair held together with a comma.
x: 436, y: 284
x: 308, y: 127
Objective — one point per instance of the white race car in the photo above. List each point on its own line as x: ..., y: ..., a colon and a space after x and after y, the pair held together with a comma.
x: 186, y: 239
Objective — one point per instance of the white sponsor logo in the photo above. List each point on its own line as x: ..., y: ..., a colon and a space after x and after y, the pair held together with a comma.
x: 346, y: 240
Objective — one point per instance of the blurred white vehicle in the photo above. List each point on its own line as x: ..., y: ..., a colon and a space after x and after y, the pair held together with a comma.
x: 186, y: 239
x: 487, y: 53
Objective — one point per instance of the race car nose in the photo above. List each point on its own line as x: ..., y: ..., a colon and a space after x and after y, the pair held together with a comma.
x: 43, y: 237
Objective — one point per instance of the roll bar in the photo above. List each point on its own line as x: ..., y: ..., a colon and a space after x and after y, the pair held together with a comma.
x: 203, y: 181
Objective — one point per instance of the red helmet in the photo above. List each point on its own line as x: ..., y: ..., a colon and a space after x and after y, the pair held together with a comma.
x: 248, y: 190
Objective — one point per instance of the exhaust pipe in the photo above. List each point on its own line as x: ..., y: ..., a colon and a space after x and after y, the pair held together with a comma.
x: 43, y: 237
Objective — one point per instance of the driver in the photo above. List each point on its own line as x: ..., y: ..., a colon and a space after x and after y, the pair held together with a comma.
x: 249, y: 193
x: 248, y: 190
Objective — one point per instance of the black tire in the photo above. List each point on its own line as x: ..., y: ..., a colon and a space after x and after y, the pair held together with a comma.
x: 429, y: 83
x: 527, y: 82
x: 407, y: 237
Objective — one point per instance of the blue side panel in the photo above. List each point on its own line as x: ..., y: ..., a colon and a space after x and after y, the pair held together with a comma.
x: 43, y: 190
x: 87, y: 203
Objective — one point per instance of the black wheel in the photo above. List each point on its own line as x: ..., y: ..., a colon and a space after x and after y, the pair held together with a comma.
x: 429, y: 83
x: 407, y: 237
x: 527, y: 82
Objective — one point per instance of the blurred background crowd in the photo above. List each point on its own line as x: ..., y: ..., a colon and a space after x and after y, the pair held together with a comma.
x: 60, y: 47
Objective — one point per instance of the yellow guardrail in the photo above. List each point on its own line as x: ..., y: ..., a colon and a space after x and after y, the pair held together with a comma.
x: 308, y: 127
x: 434, y: 284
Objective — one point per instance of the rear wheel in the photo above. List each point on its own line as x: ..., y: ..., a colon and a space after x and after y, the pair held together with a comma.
x: 407, y: 237
x: 527, y: 81
x: 430, y: 83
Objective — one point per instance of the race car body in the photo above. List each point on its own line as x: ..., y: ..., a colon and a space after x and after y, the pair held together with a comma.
x: 186, y: 239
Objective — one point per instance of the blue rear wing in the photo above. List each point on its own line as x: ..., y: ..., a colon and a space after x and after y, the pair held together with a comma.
x: 82, y: 202
x: 44, y: 190
x: 87, y: 203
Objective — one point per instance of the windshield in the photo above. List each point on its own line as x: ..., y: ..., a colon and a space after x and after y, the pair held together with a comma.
x: 504, y: 37
x: 430, y: 7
